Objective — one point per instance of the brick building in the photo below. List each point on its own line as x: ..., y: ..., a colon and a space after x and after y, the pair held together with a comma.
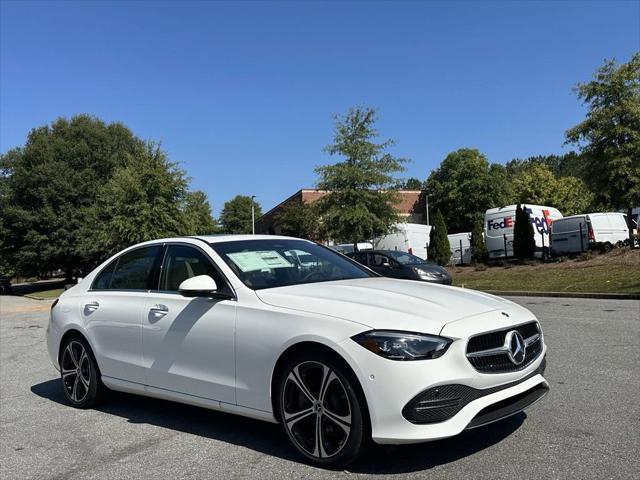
x: 412, y: 206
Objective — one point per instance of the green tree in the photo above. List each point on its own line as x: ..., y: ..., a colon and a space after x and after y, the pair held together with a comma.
x: 300, y: 219
x: 609, y: 136
x: 479, y: 253
x: 439, y: 250
x: 361, y: 198
x: 50, y: 184
x: 411, y: 184
x: 524, y: 243
x: 236, y: 214
x: 534, y: 183
x: 143, y: 200
x: 567, y: 165
x: 464, y: 186
x: 197, y: 213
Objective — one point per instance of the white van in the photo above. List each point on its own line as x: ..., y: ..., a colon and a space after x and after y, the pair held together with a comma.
x: 608, y: 229
x: 460, y: 244
x: 407, y: 237
x: 348, y: 247
x: 499, y: 223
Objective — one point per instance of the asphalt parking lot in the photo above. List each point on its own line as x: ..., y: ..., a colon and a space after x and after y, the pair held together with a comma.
x: 587, y: 427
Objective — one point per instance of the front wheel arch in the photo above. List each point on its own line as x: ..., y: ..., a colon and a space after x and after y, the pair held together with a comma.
x: 321, y: 349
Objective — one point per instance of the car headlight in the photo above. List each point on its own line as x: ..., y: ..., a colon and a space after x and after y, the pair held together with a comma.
x: 403, y: 345
x: 427, y: 273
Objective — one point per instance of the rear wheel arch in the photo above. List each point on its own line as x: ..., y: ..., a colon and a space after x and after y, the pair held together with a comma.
x: 77, y: 334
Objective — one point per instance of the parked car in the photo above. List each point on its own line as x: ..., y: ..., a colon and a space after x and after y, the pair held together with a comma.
x: 333, y: 352
x: 499, y: 223
x: 396, y: 264
x: 579, y: 233
x: 460, y: 245
x: 408, y: 237
x: 5, y: 285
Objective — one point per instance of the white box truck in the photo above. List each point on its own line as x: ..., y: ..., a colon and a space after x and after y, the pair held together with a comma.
x: 608, y: 229
x: 499, y: 223
x: 406, y: 237
x: 460, y: 244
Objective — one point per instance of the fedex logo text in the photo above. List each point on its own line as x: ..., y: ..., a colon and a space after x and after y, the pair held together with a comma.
x: 507, y: 222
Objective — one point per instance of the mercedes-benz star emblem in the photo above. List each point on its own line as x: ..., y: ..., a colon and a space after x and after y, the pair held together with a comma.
x: 517, y: 348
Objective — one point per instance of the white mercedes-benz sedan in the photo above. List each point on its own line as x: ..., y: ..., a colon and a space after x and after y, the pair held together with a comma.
x: 286, y: 330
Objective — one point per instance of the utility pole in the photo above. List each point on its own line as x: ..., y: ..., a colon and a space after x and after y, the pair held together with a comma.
x: 253, y: 215
x: 426, y: 204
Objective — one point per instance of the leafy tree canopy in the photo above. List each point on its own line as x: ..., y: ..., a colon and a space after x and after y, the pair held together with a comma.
x: 300, y: 219
x: 609, y: 136
x: 236, y: 214
x: 80, y: 189
x: 464, y: 186
x: 360, y: 203
x: 535, y: 183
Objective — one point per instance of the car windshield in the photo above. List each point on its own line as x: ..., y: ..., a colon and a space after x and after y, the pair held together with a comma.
x: 406, y: 258
x: 280, y: 262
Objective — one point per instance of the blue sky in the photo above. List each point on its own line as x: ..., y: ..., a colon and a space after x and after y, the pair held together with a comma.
x: 242, y: 94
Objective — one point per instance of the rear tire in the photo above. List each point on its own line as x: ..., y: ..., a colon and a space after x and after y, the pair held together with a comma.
x: 320, y: 410
x: 80, y: 374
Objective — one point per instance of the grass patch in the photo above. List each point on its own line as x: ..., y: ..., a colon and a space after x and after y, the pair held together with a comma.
x: 45, y: 294
x: 615, y: 272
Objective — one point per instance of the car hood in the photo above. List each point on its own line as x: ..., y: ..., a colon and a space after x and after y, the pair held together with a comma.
x: 384, y: 303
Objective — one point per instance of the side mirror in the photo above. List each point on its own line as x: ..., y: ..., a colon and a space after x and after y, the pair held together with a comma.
x: 386, y: 265
x: 200, y: 286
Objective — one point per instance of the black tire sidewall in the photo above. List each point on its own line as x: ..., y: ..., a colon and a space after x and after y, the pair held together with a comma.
x: 93, y: 395
x: 357, y: 441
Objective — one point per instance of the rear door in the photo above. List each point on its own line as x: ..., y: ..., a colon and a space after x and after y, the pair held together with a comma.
x: 112, y: 310
x: 189, y: 343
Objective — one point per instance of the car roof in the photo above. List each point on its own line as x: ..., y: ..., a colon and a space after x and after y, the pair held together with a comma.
x: 241, y: 237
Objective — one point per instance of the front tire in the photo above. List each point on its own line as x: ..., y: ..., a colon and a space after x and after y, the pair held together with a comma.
x: 80, y: 374
x: 320, y: 410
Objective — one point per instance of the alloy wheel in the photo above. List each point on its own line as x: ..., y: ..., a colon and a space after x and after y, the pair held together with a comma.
x: 316, y: 409
x: 76, y: 371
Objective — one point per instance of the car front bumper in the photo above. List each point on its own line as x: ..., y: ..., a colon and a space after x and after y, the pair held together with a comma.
x: 391, y: 386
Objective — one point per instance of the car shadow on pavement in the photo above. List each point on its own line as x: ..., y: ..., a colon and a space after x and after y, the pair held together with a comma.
x: 267, y: 438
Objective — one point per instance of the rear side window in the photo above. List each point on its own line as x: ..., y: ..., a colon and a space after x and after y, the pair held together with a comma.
x: 134, y: 270
x: 103, y: 280
x: 182, y: 262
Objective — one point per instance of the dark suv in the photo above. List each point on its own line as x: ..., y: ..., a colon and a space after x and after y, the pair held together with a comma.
x: 395, y: 264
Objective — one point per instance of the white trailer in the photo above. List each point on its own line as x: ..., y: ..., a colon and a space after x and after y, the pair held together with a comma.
x: 406, y: 237
x: 460, y: 244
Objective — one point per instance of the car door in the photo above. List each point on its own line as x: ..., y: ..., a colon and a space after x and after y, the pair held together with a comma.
x: 385, y: 266
x: 112, y: 311
x: 188, y: 343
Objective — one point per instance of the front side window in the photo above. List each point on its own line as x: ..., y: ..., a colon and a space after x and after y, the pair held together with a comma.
x: 276, y: 263
x: 183, y: 262
x: 406, y: 258
x: 134, y: 269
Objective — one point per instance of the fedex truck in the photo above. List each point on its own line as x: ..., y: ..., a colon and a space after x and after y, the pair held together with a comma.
x: 499, y: 223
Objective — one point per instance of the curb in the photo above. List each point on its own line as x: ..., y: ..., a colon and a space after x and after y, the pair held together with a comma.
x: 608, y: 296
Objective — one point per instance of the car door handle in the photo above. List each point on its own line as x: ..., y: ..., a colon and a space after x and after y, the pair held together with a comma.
x: 159, y: 309
x: 91, y: 306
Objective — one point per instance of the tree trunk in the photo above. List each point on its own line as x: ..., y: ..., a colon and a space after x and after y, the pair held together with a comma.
x: 630, y: 225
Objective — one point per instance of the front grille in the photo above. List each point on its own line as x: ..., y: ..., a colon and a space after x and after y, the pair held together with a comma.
x: 437, y: 404
x: 500, y: 362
